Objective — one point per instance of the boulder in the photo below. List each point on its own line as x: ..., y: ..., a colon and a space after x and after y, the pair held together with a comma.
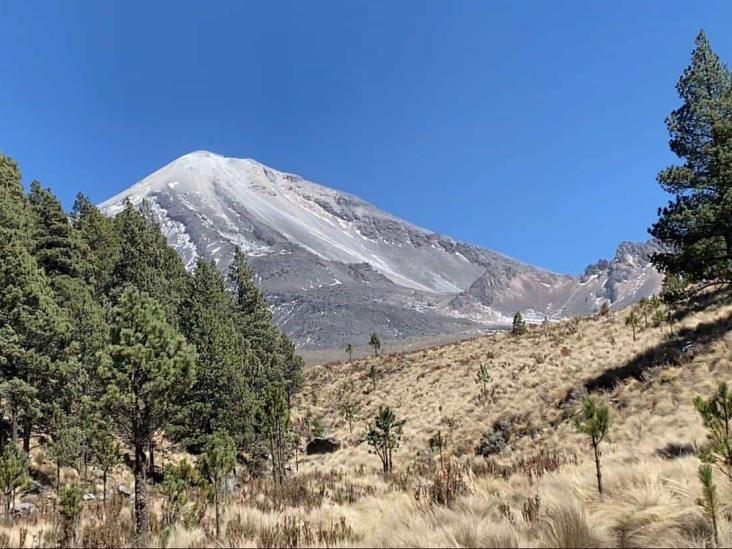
x: 230, y: 483
x: 88, y: 497
x: 25, y: 509
x: 322, y: 445
x: 124, y: 490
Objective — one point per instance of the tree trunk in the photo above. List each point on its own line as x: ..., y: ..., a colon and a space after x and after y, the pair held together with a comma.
x: 58, y: 474
x: 26, y: 437
x: 104, y: 487
x: 273, y: 454
x: 68, y: 533
x: 216, y: 507
x: 151, y: 468
x: 281, y: 457
x: 597, y: 466
x: 141, y: 516
x: 14, y: 427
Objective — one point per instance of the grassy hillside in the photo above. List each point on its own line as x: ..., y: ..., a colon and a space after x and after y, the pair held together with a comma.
x: 539, y: 489
x: 536, y: 383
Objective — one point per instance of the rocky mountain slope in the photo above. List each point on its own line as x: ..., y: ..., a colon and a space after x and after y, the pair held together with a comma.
x: 336, y: 268
x: 538, y: 294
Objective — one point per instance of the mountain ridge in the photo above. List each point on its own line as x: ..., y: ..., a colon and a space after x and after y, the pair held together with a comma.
x: 336, y: 268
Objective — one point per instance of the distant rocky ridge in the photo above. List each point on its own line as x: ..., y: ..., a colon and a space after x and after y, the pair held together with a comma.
x: 335, y: 268
x: 625, y: 279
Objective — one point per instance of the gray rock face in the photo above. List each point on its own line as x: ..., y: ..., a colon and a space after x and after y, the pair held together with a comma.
x: 25, y: 509
x: 335, y: 268
x: 536, y: 293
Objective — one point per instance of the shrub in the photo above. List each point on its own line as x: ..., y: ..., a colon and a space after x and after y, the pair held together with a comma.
x: 385, y: 435
x: 483, y: 377
x: 177, y: 481
x: 69, y: 507
x: 447, y: 484
x: 13, y: 474
x: 519, y: 326
x: 492, y: 442
x: 373, y: 375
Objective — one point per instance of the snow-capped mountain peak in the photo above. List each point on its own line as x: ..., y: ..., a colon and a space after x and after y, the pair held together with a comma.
x: 335, y: 267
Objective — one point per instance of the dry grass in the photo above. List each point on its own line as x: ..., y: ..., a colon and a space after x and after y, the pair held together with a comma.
x: 539, y: 491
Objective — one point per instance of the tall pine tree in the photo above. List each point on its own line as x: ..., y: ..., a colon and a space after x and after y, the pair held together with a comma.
x: 697, y: 224
x: 149, y: 372
x: 221, y: 399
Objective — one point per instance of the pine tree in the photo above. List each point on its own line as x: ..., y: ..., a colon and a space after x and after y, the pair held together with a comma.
x: 594, y: 421
x: 13, y: 475
x: 34, y: 324
x: 254, y: 313
x: 106, y: 453
x: 70, y: 506
x: 633, y: 321
x: 697, y: 224
x: 177, y: 482
x: 215, y: 464
x: 21, y: 399
x: 221, y: 398
x: 61, y: 253
x: 146, y: 261
x: 483, y: 377
x: 349, y: 351
x: 277, y: 362
x: 275, y: 424
x: 375, y: 343
x: 149, y: 373
x: 384, y: 436
x: 100, y: 241
x: 347, y: 403
x: 644, y: 306
x: 519, y: 326
x: 57, y: 246
x: 373, y: 376
x: 67, y: 443
x: 716, y: 412
x: 16, y: 218
x: 709, y: 501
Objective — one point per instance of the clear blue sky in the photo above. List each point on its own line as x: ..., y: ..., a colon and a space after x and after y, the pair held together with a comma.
x: 534, y: 128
